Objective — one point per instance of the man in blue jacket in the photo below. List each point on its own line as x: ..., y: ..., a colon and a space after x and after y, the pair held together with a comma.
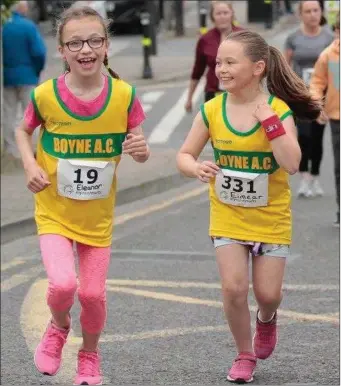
x: 24, y: 56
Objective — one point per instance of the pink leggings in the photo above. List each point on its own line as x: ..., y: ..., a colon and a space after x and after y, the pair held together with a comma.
x: 59, y: 261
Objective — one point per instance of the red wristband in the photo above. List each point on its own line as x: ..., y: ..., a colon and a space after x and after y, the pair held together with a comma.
x: 273, y: 127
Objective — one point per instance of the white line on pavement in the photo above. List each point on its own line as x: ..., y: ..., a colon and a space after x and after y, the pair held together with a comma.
x: 171, y: 120
x: 151, y: 96
x: 146, y: 107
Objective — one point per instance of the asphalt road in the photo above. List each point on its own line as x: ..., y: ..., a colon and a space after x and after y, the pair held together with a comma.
x: 165, y: 321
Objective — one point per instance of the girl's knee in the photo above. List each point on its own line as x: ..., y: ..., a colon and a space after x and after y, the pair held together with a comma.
x: 91, y: 296
x: 62, y: 292
x: 268, y: 298
x: 235, y: 292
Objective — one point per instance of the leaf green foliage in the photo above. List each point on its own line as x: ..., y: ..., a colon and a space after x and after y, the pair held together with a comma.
x: 5, y: 9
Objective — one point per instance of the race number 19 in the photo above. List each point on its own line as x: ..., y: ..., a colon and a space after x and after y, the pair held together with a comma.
x: 92, y: 176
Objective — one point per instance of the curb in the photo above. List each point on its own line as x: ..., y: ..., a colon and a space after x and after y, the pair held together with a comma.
x: 27, y: 226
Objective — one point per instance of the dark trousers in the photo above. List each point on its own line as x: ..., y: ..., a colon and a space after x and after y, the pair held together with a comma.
x: 310, y: 138
x: 335, y: 130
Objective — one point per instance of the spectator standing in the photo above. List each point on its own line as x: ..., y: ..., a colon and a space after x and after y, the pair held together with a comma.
x: 24, y: 56
x: 326, y: 80
x: 302, y: 49
x: 222, y: 16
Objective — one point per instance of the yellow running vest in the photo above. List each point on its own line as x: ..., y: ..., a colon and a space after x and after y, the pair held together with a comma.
x: 80, y: 156
x: 250, y: 197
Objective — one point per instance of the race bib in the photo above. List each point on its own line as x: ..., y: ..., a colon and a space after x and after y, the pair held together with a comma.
x: 307, y: 73
x: 84, y: 180
x: 242, y: 189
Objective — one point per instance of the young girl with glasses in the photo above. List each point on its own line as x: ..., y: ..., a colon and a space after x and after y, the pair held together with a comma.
x: 87, y: 121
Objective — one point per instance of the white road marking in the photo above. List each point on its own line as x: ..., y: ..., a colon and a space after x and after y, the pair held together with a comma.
x: 172, y: 332
x: 146, y: 107
x: 151, y: 96
x: 116, y: 46
x: 173, y: 117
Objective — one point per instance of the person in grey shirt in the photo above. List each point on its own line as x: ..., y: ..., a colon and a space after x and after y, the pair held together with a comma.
x: 302, y: 49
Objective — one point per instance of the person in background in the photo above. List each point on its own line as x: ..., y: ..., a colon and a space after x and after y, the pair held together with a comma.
x: 302, y: 49
x: 222, y: 16
x: 24, y: 57
x: 326, y: 80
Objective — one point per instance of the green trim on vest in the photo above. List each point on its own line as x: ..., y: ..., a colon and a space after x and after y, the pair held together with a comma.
x: 246, y: 161
x: 80, y: 117
x: 286, y: 114
x: 132, y: 97
x: 230, y: 127
x: 35, y: 106
x: 81, y: 146
x: 204, y: 117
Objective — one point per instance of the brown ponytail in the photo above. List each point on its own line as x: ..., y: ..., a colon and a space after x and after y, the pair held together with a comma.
x: 283, y: 82
x: 281, y: 79
x: 111, y: 72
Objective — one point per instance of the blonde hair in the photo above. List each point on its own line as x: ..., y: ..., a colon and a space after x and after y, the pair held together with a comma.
x: 228, y: 3
x: 79, y: 11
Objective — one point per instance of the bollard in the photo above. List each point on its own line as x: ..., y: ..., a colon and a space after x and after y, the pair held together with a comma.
x: 268, y: 14
x: 146, y: 44
x: 179, y: 18
x: 203, y: 15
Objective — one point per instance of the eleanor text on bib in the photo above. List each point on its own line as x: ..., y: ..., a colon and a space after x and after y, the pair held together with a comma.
x: 85, y: 180
x: 242, y: 189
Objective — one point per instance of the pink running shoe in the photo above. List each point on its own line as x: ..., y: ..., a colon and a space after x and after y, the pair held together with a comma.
x: 243, y: 368
x: 48, y: 355
x: 88, y: 369
x: 265, y: 338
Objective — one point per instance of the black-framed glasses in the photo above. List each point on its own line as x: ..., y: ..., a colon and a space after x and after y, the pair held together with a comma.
x: 77, y: 45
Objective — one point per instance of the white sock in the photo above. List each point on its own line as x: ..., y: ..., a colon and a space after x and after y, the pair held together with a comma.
x: 266, y: 321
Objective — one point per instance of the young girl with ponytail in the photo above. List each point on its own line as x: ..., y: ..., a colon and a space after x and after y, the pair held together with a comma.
x: 254, y: 139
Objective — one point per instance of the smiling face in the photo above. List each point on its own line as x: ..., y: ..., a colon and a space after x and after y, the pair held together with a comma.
x: 310, y: 13
x: 88, y: 60
x: 234, y: 69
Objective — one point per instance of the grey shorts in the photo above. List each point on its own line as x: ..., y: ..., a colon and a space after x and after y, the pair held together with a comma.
x: 255, y: 248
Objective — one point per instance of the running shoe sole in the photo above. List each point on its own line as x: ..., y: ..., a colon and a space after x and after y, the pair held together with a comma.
x: 239, y: 381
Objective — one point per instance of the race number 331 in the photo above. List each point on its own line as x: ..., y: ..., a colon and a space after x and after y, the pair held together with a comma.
x: 242, y: 189
x: 85, y: 180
